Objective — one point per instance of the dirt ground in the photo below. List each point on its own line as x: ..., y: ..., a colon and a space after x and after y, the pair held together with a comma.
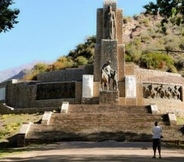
x: 107, y: 151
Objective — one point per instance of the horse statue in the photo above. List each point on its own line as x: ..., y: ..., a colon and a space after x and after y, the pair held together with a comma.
x: 114, y: 78
x: 150, y: 91
x: 160, y: 91
x: 105, y: 80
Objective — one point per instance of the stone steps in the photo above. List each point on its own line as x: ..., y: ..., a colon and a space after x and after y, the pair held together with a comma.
x: 98, y: 123
x: 55, y: 133
x: 105, y: 108
x: 87, y: 119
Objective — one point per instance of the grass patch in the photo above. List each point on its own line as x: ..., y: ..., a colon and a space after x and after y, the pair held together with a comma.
x: 10, y: 124
x: 180, y: 120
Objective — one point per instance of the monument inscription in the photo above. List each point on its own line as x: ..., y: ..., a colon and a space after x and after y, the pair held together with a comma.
x: 55, y: 91
x: 130, y: 86
x: 87, y: 86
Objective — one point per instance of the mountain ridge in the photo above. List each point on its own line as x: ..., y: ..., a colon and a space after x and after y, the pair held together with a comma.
x: 19, y: 71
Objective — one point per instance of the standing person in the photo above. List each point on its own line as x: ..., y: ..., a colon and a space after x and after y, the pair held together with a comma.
x: 157, y: 133
x: 110, y: 23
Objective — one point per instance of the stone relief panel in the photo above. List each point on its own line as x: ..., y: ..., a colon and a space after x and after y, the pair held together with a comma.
x: 162, y: 91
x: 55, y: 91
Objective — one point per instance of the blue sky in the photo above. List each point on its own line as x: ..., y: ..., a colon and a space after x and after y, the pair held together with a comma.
x: 48, y: 29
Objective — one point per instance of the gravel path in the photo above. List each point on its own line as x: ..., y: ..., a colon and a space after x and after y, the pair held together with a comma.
x: 108, y: 151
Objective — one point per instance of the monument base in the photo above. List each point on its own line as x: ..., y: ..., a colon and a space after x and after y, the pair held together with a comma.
x: 130, y: 101
x: 109, y: 97
x: 94, y: 100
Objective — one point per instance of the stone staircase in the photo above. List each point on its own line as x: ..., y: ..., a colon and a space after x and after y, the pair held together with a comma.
x: 102, y: 122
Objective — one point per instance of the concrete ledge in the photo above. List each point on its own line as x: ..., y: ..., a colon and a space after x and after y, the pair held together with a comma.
x: 22, y: 134
x: 64, y: 107
x: 154, y: 109
x: 46, y: 117
x: 172, y: 119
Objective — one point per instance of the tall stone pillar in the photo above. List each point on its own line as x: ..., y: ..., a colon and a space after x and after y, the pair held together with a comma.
x: 109, y: 40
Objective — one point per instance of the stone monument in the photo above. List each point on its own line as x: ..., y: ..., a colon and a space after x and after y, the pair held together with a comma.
x: 128, y: 84
x: 109, y: 40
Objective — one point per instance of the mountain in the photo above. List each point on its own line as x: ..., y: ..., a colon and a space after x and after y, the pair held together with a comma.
x: 20, y: 75
x: 19, y: 71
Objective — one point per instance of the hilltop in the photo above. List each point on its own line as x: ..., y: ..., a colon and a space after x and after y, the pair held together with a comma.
x: 147, y: 43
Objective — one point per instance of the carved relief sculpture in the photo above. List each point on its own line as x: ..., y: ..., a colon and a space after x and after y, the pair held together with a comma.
x: 110, y: 23
x: 162, y: 91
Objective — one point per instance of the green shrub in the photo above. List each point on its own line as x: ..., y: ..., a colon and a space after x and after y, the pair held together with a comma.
x: 144, y: 21
x: 182, y: 31
x: 81, y: 60
x: 180, y: 120
x: 133, y: 53
x: 155, y: 60
x: 40, y: 67
x: 145, y: 36
x: 151, y: 32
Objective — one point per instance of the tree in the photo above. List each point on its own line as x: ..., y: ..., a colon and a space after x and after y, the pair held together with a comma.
x: 166, y: 8
x: 8, y: 16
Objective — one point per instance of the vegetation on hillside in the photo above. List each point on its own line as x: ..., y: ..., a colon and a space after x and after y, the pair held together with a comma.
x: 82, y: 55
x: 147, y: 43
x: 153, y: 40
x: 160, y: 46
x: 170, y: 10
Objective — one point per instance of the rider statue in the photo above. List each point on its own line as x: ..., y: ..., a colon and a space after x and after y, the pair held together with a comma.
x: 107, y: 69
x: 111, y: 73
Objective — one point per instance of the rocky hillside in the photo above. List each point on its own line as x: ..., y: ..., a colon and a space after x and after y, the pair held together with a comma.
x: 144, y: 34
x: 147, y: 43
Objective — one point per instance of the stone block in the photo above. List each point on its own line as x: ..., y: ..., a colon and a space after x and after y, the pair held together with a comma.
x: 121, y: 61
x: 21, y: 140
x: 46, y: 117
x: 87, y: 86
x: 64, y: 107
x: 109, y: 52
x: 130, y: 86
x: 25, y: 128
x: 109, y: 97
x: 172, y: 119
x: 22, y: 134
x: 154, y: 109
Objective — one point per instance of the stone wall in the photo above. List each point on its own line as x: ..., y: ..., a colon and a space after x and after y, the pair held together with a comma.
x: 144, y: 76
x: 23, y: 95
x: 20, y: 94
x: 73, y: 74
